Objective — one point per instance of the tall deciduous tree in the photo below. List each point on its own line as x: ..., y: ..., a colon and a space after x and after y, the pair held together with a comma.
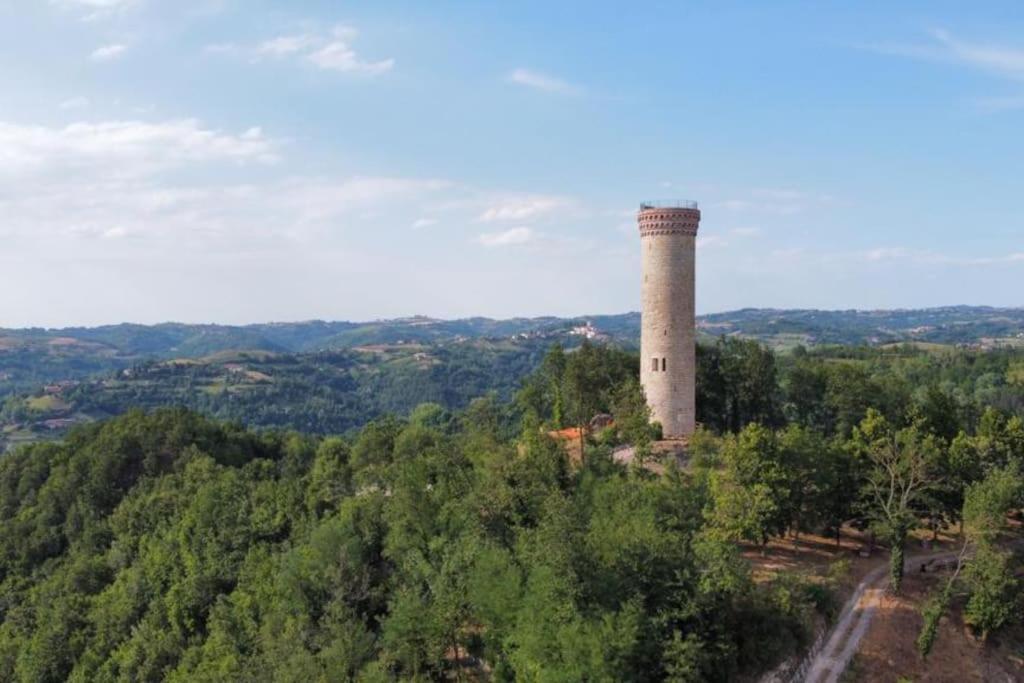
x: 897, y: 480
x: 752, y: 491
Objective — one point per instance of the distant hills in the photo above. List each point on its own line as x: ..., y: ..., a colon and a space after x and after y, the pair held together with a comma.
x: 972, y: 325
x: 32, y: 357
x: 980, y: 326
x: 189, y: 341
x: 325, y: 377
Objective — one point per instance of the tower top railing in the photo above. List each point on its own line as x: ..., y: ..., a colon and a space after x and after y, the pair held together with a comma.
x: 668, y: 204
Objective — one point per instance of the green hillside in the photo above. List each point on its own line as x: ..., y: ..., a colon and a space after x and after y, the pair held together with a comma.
x: 468, y: 544
x: 167, y: 547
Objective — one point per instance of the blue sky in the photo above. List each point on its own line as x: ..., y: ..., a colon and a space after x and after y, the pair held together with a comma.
x: 239, y: 161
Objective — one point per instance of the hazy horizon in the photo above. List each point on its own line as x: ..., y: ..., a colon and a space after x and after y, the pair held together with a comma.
x: 239, y: 162
x: 581, y: 316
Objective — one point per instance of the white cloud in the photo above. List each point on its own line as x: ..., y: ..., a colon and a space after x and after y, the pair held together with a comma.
x: 285, y: 45
x: 541, y: 81
x: 108, y: 53
x: 75, y: 103
x: 175, y: 185
x: 421, y: 223
x: 125, y: 148
x: 507, y: 238
x: 331, y: 51
x: 522, y: 208
x: 338, y: 56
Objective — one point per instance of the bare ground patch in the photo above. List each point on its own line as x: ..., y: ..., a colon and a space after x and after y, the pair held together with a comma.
x: 888, y: 651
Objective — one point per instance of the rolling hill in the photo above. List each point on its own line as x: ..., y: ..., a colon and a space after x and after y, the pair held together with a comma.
x: 343, y: 373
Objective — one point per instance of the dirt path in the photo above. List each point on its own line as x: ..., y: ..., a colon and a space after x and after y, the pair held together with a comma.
x: 855, y: 618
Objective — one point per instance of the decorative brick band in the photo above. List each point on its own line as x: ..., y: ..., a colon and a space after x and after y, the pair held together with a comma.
x: 648, y: 232
x: 668, y: 222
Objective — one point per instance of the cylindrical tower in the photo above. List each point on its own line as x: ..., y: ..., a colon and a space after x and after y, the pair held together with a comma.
x: 668, y: 363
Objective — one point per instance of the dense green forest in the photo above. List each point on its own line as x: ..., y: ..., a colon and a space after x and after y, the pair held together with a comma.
x: 463, y: 543
x: 168, y: 547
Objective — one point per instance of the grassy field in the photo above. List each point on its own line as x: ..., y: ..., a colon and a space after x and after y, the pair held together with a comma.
x: 47, y: 403
x: 931, y: 347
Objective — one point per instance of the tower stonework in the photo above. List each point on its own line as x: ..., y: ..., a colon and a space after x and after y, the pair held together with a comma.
x: 668, y: 363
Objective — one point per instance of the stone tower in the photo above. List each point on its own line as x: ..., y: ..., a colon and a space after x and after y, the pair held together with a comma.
x: 668, y: 364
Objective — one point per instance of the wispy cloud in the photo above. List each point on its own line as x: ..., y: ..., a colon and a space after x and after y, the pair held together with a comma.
x: 98, y: 4
x: 732, y: 237
x: 886, y: 253
x: 773, y: 201
x: 115, y: 233
x: 997, y: 104
x: 779, y: 194
x: 507, y: 238
x: 175, y: 186
x: 925, y: 257
x: 943, y: 46
x: 996, y: 59
x: 421, y: 223
x: 108, y: 53
x: 893, y: 257
x: 287, y: 45
x: 96, y: 9
x: 75, y: 103
x: 338, y: 56
x: 125, y: 148
x: 330, y: 51
x: 523, y: 208
x: 542, y: 81
x: 711, y: 241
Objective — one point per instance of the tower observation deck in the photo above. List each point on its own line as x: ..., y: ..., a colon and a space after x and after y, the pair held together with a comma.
x: 668, y: 234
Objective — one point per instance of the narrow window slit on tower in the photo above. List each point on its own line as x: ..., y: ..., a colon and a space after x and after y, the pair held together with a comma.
x: 663, y: 362
x: 654, y: 364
